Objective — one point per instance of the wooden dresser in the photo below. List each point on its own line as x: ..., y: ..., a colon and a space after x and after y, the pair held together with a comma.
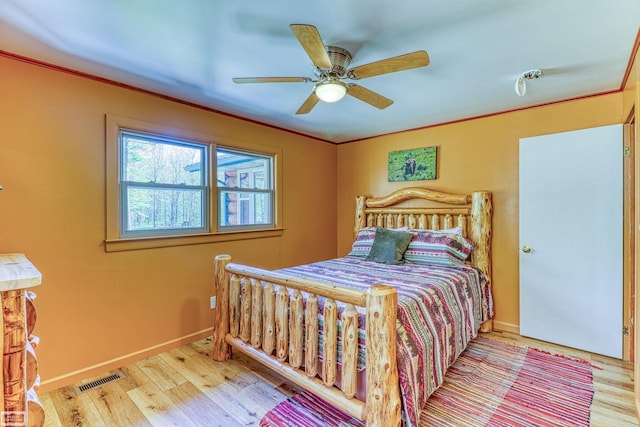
x: 19, y: 404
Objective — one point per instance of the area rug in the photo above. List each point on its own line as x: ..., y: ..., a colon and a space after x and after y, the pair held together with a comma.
x: 492, y: 384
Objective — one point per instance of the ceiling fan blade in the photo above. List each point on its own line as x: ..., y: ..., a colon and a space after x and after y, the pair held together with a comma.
x: 271, y: 79
x: 308, y: 104
x: 369, y: 96
x: 310, y: 39
x: 390, y: 65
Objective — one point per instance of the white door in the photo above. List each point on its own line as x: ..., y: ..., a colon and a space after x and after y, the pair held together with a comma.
x: 571, y: 239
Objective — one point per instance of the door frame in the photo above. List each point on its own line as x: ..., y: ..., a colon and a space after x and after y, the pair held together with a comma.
x: 630, y: 200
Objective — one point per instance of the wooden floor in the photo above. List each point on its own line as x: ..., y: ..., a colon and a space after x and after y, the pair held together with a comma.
x: 184, y: 387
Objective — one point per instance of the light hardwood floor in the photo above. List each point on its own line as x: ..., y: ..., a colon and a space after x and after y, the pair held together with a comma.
x: 184, y: 387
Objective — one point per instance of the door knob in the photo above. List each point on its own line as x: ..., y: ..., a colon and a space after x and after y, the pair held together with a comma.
x: 526, y: 249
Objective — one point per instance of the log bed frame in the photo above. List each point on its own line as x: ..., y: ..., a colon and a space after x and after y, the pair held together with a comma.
x: 269, y: 326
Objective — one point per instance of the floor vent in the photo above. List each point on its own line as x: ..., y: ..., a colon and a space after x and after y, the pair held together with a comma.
x: 117, y: 375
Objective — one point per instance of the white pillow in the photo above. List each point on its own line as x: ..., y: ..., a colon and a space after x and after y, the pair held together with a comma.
x: 454, y: 230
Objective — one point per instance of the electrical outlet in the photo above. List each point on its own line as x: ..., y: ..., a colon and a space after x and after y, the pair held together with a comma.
x: 212, y: 302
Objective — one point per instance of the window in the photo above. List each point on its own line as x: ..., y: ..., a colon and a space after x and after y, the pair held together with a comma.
x: 168, y: 187
x: 164, y: 186
x: 245, y: 190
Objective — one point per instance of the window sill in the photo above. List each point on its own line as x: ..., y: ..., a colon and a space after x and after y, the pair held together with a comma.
x: 119, y: 245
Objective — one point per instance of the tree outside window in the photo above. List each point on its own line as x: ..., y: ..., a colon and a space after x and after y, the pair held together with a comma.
x: 164, y: 186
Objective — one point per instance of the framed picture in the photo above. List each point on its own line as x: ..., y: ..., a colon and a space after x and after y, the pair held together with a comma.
x: 416, y: 164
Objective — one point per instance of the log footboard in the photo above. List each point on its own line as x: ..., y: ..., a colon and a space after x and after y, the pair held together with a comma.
x: 280, y: 330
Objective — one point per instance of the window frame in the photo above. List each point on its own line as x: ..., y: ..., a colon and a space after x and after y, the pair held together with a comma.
x: 204, y: 187
x: 114, y: 242
x: 246, y: 190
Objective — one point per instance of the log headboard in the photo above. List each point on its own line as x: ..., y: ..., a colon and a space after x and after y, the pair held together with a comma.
x: 472, y: 212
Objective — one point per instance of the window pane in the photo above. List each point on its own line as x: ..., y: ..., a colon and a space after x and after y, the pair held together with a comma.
x: 160, y: 208
x: 151, y: 160
x: 243, y: 170
x: 245, y: 208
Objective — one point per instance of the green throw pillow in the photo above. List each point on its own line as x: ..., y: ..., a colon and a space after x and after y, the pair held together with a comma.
x: 389, y: 246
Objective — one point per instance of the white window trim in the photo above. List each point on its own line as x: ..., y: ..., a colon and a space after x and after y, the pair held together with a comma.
x: 114, y: 242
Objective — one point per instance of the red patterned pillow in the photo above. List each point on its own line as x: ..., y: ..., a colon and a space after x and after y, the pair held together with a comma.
x: 433, y: 247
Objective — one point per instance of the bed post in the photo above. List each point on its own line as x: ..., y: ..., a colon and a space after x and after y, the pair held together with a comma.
x: 221, y: 350
x: 481, y: 234
x: 361, y: 220
x: 383, y: 392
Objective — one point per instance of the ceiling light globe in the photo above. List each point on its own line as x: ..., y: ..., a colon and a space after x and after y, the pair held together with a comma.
x: 331, y: 91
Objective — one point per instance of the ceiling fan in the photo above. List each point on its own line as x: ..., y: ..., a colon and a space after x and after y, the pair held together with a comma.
x: 331, y: 63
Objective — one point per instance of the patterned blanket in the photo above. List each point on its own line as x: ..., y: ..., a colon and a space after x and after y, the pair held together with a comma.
x: 440, y: 310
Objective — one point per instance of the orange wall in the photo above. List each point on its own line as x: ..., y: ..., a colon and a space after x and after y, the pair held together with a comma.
x: 97, y: 310
x: 480, y: 154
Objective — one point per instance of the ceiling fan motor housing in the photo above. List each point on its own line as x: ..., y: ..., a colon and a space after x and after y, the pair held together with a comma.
x: 340, y: 59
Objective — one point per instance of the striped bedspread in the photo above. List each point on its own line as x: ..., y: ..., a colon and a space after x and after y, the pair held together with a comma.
x: 440, y: 310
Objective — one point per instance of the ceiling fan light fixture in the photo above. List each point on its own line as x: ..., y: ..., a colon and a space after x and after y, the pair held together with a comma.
x: 331, y: 90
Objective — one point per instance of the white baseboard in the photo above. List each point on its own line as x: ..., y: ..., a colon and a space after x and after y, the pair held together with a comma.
x: 118, y: 362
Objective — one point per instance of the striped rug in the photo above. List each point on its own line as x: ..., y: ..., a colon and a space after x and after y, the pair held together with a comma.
x: 497, y: 384
x: 491, y: 384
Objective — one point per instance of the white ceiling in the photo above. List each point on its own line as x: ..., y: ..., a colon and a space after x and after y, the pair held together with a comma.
x: 191, y: 49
